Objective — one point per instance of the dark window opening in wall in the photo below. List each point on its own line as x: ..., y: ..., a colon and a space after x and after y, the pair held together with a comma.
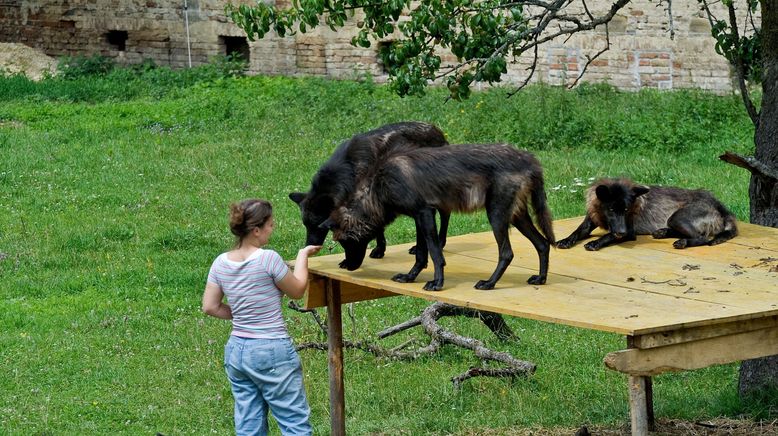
x: 117, y: 39
x: 235, y: 45
x: 382, y: 46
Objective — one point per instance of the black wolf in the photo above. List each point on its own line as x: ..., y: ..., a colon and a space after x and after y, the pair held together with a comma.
x: 335, y: 181
x: 627, y: 209
x: 463, y: 178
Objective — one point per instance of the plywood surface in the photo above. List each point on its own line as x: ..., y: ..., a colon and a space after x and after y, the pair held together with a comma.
x: 634, y: 288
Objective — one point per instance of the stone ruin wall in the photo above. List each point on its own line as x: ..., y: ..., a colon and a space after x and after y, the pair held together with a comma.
x: 642, y: 54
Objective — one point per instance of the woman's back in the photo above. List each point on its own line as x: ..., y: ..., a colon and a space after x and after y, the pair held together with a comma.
x: 251, y: 291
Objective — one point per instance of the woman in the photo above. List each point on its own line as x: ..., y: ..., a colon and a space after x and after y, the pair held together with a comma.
x: 260, y: 360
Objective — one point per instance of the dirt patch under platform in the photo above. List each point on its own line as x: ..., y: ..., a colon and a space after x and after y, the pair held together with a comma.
x: 19, y: 58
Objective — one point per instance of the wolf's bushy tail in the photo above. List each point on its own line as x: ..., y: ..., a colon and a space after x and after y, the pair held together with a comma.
x: 542, y: 212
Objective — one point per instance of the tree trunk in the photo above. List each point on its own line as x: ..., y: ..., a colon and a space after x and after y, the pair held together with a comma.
x: 762, y: 373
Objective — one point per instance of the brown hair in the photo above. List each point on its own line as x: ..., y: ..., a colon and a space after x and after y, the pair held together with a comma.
x: 247, y: 215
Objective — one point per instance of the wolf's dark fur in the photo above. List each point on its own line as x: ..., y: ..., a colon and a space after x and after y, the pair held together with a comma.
x: 626, y: 209
x: 462, y: 178
x: 334, y: 183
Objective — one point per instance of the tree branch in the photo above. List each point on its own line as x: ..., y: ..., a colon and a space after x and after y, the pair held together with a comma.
x: 734, y: 60
x: 590, y: 59
x: 740, y: 68
x: 751, y: 164
x: 440, y: 337
x: 670, y: 17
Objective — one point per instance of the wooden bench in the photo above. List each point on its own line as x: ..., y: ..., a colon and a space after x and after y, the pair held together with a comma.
x: 679, y: 309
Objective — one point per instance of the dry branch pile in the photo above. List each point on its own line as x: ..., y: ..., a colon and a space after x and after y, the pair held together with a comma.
x: 440, y: 337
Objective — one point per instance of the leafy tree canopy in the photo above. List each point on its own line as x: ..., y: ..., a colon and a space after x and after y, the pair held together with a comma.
x: 483, y: 35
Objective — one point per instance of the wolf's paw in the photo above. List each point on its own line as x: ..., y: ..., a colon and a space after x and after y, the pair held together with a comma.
x: 403, y: 278
x: 592, y: 246
x: 565, y: 243
x: 378, y: 253
x: 433, y: 285
x: 412, y: 250
x: 342, y: 264
x: 484, y: 285
x: 681, y: 243
x: 536, y: 280
x: 660, y: 233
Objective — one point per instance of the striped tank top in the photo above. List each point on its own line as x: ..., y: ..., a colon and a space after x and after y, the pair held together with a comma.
x: 250, y: 287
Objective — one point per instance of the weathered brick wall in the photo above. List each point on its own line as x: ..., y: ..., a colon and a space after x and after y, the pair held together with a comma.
x: 641, y: 54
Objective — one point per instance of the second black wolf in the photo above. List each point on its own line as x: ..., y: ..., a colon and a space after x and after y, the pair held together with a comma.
x: 337, y: 178
x: 464, y: 178
x: 627, y: 209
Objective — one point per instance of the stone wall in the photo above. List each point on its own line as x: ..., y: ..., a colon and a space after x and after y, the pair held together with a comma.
x: 642, y: 53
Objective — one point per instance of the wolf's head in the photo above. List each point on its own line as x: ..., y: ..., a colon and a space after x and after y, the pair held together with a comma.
x: 314, y: 210
x: 353, y: 228
x: 617, y: 201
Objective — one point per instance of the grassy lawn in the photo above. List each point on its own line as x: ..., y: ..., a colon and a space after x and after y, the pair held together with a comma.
x: 113, y: 203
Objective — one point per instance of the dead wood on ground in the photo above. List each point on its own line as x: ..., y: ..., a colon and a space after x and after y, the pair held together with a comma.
x: 439, y: 337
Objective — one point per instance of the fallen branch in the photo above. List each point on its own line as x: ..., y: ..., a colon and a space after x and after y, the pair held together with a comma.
x: 494, y: 321
x: 439, y: 337
x: 671, y: 282
x: 486, y: 372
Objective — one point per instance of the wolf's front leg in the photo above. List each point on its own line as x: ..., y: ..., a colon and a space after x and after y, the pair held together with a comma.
x: 426, y: 226
x: 606, y: 240
x: 582, y: 232
x: 420, y: 250
x: 380, y: 246
x: 426, y: 223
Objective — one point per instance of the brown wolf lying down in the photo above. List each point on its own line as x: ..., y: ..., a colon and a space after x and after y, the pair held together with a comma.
x: 627, y: 209
x: 462, y: 178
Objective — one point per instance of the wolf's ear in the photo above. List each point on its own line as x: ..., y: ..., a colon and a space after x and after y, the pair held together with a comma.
x: 328, y: 224
x: 640, y: 190
x: 603, y: 193
x: 297, y: 197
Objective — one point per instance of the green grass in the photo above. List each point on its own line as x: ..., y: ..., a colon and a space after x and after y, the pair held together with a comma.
x: 113, y: 204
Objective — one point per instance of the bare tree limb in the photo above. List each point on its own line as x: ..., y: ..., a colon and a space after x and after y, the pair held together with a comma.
x: 486, y: 372
x: 435, y: 311
x: 321, y: 323
x: 670, y: 22
x: 751, y: 164
x: 399, y: 327
x: 531, y: 70
x: 440, y: 337
x: 533, y: 37
x: 590, y: 59
x: 740, y: 68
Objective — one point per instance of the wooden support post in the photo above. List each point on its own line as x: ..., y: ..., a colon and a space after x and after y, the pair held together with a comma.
x: 637, y: 405
x: 650, y: 404
x: 641, y: 400
x: 335, y: 356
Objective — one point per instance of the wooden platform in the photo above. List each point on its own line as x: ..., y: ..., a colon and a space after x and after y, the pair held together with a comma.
x: 679, y: 309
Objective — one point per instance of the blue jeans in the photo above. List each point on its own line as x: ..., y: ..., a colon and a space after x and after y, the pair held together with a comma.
x: 266, y: 373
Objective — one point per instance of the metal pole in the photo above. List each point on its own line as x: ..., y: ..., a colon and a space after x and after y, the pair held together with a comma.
x: 188, y: 46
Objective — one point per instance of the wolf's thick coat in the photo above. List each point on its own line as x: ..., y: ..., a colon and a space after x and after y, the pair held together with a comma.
x: 626, y: 209
x: 457, y: 178
x: 335, y: 181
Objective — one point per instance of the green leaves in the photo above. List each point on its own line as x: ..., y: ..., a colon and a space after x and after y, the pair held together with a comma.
x: 739, y: 49
x: 480, y: 34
